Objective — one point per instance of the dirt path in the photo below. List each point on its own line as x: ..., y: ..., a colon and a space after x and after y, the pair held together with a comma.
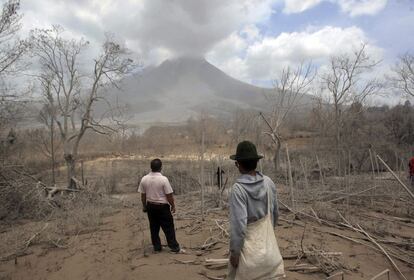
x: 120, y: 249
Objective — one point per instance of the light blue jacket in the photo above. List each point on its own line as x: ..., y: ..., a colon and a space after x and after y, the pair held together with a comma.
x: 248, y: 203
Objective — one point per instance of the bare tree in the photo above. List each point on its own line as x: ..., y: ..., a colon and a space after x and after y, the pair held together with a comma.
x: 399, y: 123
x: 72, y: 94
x: 346, y: 84
x: 243, y: 125
x: 11, y: 52
x: 404, y: 74
x: 321, y: 117
x: 47, y: 117
x: 11, y: 47
x: 290, y: 88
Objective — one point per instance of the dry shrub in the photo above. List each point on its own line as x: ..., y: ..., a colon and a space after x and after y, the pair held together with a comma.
x: 82, y: 211
x: 21, y: 196
x: 79, y: 213
x: 75, y: 214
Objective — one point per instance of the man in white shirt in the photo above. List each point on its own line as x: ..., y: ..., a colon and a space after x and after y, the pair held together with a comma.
x: 158, y: 202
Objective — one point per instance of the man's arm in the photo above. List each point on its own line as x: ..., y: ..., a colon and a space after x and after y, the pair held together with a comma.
x: 238, y: 224
x: 170, y: 199
x: 141, y: 189
x: 144, y: 202
x: 169, y: 194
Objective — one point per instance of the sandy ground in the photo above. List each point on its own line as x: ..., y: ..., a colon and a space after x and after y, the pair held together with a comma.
x: 120, y: 249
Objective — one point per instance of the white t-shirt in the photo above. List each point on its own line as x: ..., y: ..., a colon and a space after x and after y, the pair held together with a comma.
x: 156, y: 187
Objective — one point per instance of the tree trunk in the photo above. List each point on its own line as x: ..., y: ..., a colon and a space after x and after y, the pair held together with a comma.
x: 338, y: 139
x: 290, y: 177
x: 52, y: 148
x: 71, y: 172
x: 276, y: 158
x: 202, y: 171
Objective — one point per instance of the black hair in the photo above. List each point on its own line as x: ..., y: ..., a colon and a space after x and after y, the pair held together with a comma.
x: 248, y: 164
x: 156, y: 165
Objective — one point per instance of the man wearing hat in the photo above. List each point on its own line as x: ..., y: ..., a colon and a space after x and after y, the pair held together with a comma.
x: 254, y: 253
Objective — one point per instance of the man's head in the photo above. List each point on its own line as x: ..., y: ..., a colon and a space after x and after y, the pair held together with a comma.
x: 246, y: 157
x: 156, y: 165
x: 247, y: 166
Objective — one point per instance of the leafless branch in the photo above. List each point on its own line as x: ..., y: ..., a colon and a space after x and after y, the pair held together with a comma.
x: 404, y: 74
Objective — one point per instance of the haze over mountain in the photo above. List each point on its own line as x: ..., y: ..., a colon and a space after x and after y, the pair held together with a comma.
x: 180, y: 88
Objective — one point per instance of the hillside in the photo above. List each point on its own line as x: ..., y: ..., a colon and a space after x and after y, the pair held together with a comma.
x: 180, y: 88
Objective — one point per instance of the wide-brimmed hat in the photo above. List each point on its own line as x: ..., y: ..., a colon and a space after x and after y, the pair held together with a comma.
x: 246, y: 150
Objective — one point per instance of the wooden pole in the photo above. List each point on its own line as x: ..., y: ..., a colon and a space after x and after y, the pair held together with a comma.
x: 290, y: 177
x: 211, y: 178
x: 304, y: 173
x: 396, y: 177
x: 82, y: 174
x: 220, y: 184
x: 377, y: 164
x: 402, y: 165
x: 372, y: 164
x: 396, y: 162
x: 387, y: 271
x: 382, y: 250
x: 287, y: 174
x: 261, y: 166
x: 202, y: 170
x: 52, y: 148
x: 320, y: 170
x: 373, y: 173
x: 341, y: 273
x: 347, y: 186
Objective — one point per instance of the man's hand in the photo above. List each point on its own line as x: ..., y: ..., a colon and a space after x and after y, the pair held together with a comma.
x: 234, y: 260
x: 144, y: 202
x: 170, y: 200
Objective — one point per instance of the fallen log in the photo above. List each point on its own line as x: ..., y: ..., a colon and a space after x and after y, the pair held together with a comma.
x: 217, y: 261
x: 204, y: 273
x: 309, y: 253
x: 14, y: 256
x: 195, y: 262
x: 306, y: 268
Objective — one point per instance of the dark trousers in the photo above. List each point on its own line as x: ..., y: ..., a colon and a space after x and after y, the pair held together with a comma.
x: 160, y: 216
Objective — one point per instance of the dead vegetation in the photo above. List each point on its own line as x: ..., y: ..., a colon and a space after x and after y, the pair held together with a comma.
x: 369, y: 210
x: 21, y: 195
x: 33, y: 213
x: 372, y: 213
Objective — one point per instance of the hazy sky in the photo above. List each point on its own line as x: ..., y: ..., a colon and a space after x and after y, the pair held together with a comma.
x: 249, y: 39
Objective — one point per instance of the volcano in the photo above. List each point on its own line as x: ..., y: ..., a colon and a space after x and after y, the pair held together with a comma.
x: 181, y: 88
